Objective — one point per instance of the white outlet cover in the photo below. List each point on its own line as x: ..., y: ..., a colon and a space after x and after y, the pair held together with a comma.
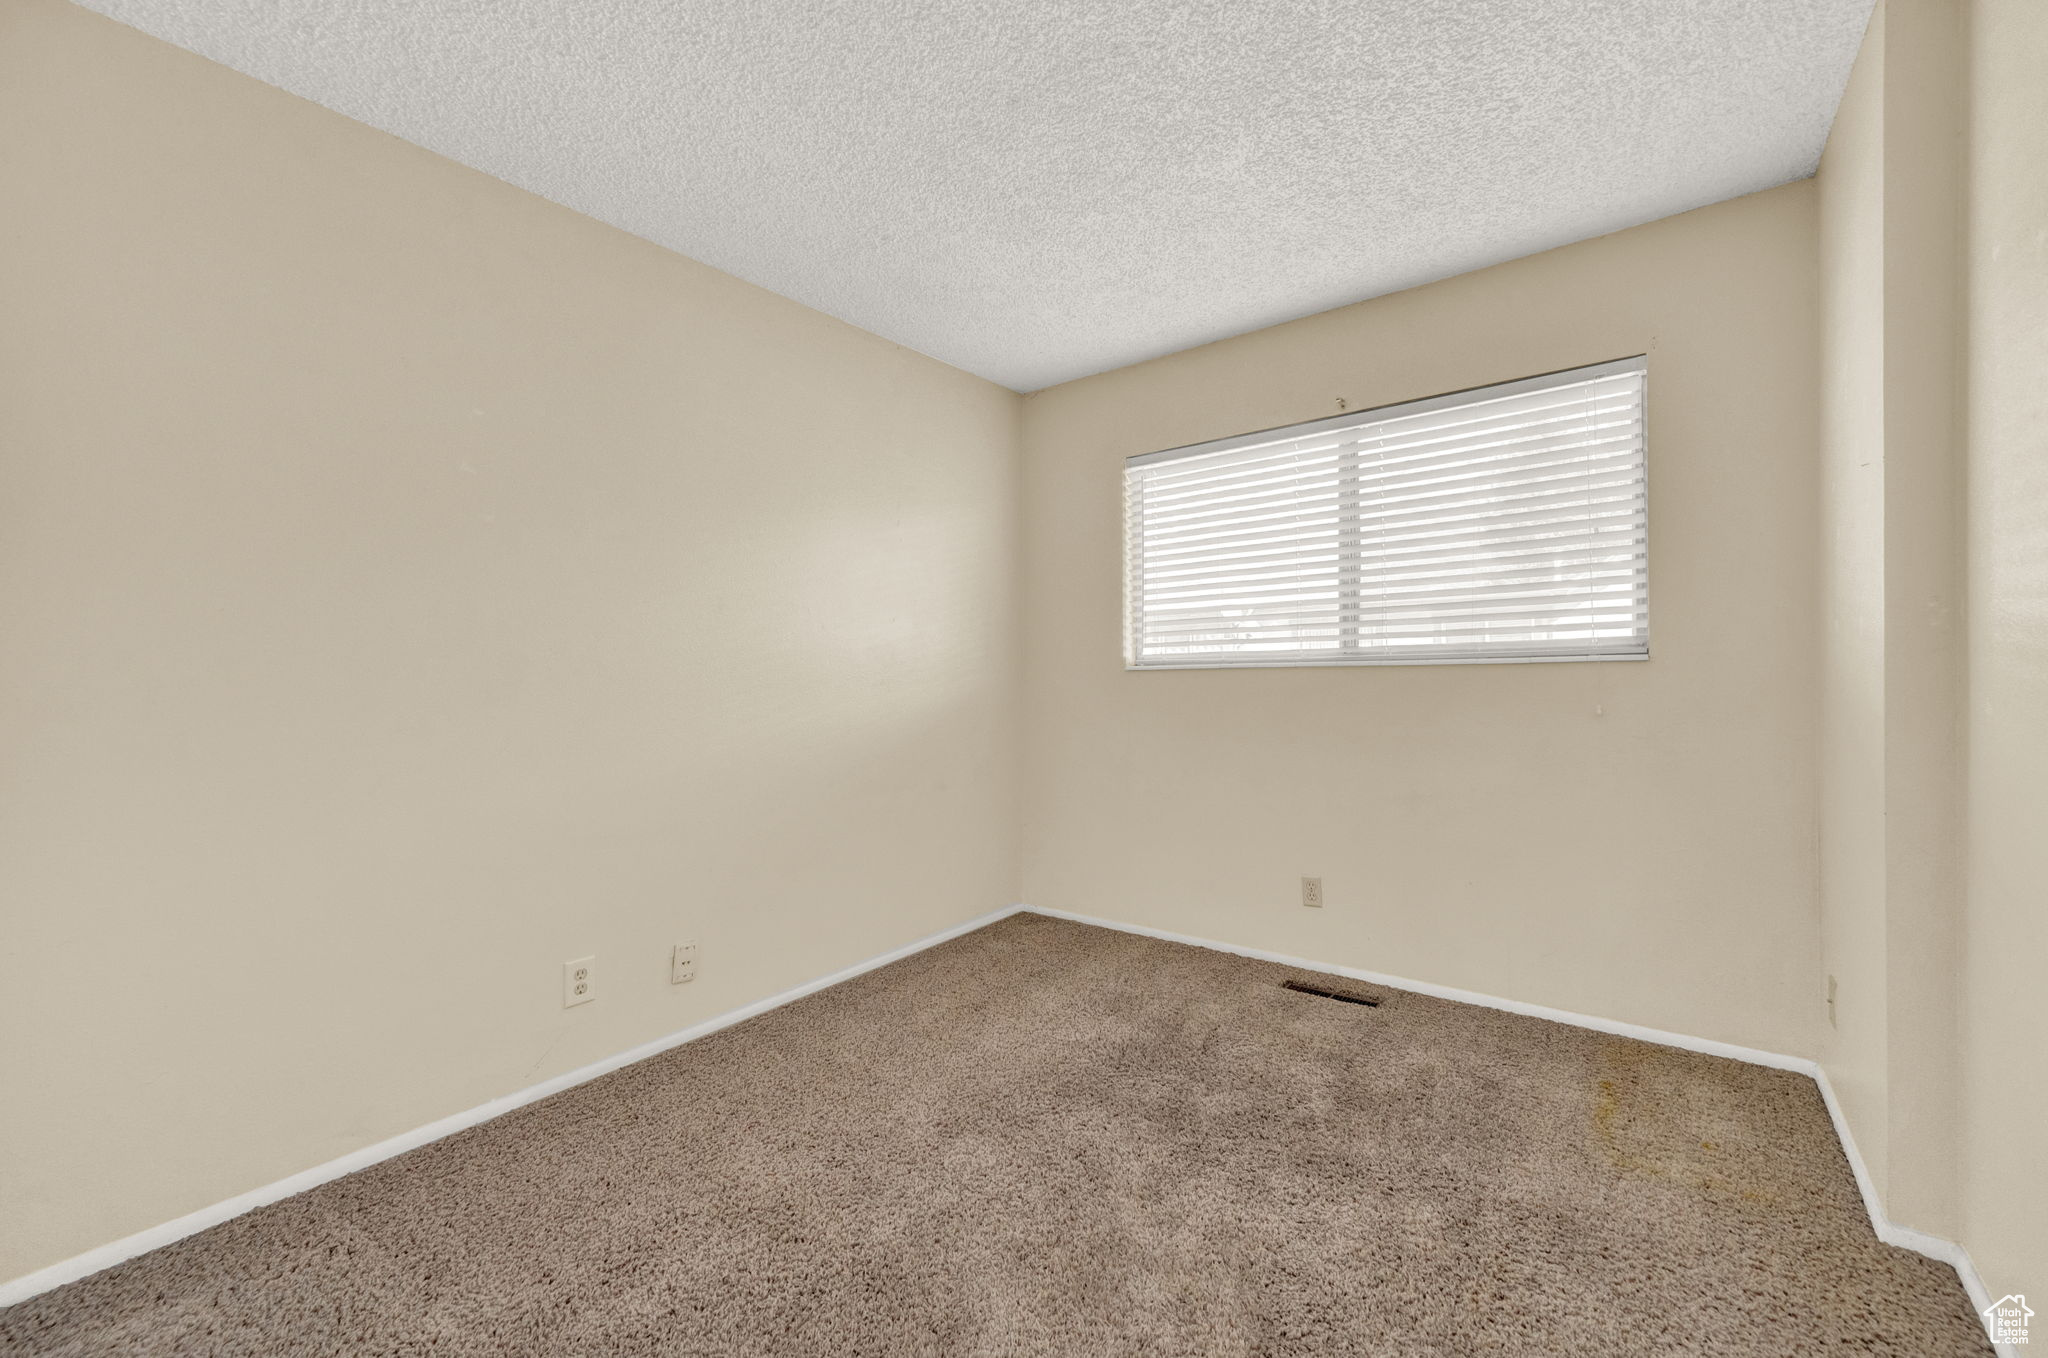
x: 683, y: 964
x: 579, y: 981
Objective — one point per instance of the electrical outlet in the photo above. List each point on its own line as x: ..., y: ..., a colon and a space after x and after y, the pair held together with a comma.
x: 1831, y: 1003
x: 682, y: 964
x: 579, y: 981
x: 1312, y: 892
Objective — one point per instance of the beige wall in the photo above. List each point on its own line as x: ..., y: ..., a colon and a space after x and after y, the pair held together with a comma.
x: 2005, y: 996
x: 408, y: 585
x: 1935, y: 752
x: 1892, y: 589
x: 1633, y: 840
x: 1924, y: 635
x: 1852, y: 585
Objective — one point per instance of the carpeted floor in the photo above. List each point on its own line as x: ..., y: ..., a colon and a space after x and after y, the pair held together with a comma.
x: 1050, y: 1139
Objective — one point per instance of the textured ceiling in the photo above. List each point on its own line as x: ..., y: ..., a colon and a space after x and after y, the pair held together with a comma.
x: 1035, y: 190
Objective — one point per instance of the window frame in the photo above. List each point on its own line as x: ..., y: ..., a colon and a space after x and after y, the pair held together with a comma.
x: 1337, y: 659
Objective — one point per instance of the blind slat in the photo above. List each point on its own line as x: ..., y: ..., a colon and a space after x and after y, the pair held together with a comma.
x: 1391, y: 568
x: 1564, y: 615
x: 1582, y: 458
x: 1501, y: 523
x: 1387, y: 427
x: 1171, y: 605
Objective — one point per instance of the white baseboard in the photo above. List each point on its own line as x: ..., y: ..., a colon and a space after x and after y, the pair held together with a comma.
x: 1889, y: 1231
x: 1751, y: 1055
x: 156, y: 1237
x: 1905, y: 1237
x: 106, y: 1256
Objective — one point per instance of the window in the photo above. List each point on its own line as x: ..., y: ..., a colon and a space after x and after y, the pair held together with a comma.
x: 1503, y: 523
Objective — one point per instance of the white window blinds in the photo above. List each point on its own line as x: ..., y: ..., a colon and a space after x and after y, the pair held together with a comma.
x: 1505, y: 523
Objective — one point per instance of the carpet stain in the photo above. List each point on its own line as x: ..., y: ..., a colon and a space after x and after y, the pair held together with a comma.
x: 1635, y: 1134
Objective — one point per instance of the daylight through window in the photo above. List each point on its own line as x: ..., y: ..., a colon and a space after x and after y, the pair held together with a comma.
x: 1503, y: 523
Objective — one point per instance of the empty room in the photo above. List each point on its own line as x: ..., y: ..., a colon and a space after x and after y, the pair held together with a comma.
x: 781, y: 679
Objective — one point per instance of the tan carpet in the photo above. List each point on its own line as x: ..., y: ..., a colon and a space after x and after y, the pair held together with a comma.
x: 1048, y: 1139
